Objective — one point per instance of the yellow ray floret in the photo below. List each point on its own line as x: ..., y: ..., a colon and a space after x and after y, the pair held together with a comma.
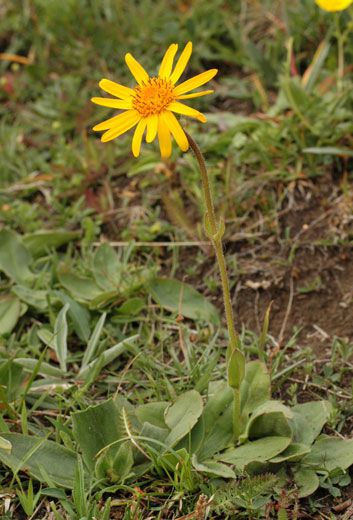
x: 334, y: 5
x: 150, y: 106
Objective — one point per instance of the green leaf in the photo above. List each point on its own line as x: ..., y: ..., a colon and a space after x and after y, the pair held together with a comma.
x: 309, y: 419
x: 329, y: 453
x: 60, y: 337
x: 54, y: 493
x: 93, y: 341
x: 152, y: 413
x: 79, y: 491
x: 182, y: 416
x: 14, y: 257
x: 115, y: 463
x: 205, y: 376
x: 96, y: 427
x: 179, y: 297
x: 40, y: 458
x: 41, y: 241
x: 294, y: 452
x: 218, y: 437
x: 256, y: 387
x: 103, y: 299
x: 47, y: 337
x: 306, y: 480
x: 5, y: 444
x: 194, y: 441
x: 171, y: 459
x: 107, y: 268
x: 213, y: 468
x: 11, y: 380
x: 297, y: 98
x: 233, y: 121
x: 220, y: 396
x: 10, y: 312
x: 45, y: 369
x: 328, y: 150
x: 33, y: 297
x: 269, y: 419
x: 217, y: 418
x: 312, y: 72
x: 302, y: 432
x: 260, y: 450
x: 155, y: 436
x: 79, y: 315
x: 131, y: 307
x: 236, y: 368
x: 109, y: 355
x: 81, y: 288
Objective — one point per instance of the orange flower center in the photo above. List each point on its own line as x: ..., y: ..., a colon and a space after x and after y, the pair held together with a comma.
x: 153, y: 97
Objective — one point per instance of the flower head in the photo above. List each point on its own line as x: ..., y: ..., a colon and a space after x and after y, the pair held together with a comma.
x: 150, y: 106
x: 333, y: 5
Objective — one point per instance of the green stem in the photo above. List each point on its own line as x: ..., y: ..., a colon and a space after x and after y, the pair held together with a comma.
x: 237, y: 416
x: 217, y: 243
x: 214, y: 230
x: 340, y: 43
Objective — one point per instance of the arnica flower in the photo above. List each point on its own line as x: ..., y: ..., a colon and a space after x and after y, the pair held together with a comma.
x: 151, y: 105
x: 334, y: 5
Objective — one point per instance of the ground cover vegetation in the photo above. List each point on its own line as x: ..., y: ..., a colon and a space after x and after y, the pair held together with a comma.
x: 121, y: 394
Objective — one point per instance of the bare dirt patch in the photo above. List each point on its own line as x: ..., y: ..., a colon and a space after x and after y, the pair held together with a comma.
x: 306, y: 271
x: 315, y: 293
x: 304, y: 266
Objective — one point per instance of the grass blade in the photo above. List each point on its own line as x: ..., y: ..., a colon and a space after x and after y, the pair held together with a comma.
x: 60, y: 337
x: 93, y: 341
x: 110, y: 354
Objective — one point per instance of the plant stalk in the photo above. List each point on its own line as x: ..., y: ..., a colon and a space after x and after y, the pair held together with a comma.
x: 215, y: 232
x: 216, y: 239
x: 340, y: 36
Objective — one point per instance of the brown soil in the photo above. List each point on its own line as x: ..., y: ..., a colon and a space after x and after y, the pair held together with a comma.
x: 308, y: 277
x: 321, y: 312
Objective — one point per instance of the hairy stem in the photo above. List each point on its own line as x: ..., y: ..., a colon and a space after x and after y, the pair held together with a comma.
x: 215, y: 231
x: 340, y: 36
x: 216, y: 242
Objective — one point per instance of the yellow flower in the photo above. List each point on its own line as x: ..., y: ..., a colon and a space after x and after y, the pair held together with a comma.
x: 333, y: 5
x: 150, y: 105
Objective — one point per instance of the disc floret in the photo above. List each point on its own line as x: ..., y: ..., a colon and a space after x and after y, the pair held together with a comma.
x: 153, y: 97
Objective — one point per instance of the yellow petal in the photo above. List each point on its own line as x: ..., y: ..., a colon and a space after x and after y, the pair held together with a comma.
x: 196, y: 94
x: 123, y: 104
x: 152, y: 127
x: 114, y: 121
x: 165, y: 143
x: 136, y: 140
x: 195, y: 82
x: 136, y: 69
x: 123, y: 127
x: 181, y: 63
x: 115, y: 89
x: 334, y: 5
x: 108, y: 123
x: 167, y: 62
x: 176, y: 130
x: 180, y: 108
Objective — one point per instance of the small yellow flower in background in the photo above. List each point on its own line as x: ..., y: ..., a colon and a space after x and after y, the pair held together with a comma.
x: 334, y: 5
x: 150, y: 105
